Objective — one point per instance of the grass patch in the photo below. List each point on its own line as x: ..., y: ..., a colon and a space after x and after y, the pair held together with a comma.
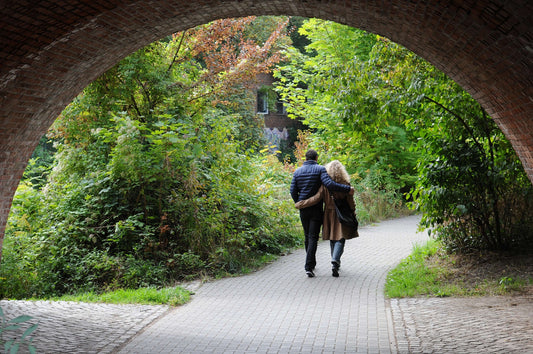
x: 430, y: 271
x: 174, y: 296
x: 412, y: 277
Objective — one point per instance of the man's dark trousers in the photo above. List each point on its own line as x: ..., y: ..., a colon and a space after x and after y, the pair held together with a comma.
x: 311, y: 221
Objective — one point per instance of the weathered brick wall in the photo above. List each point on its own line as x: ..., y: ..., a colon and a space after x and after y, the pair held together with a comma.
x: 274, y: 119
x: 50, y: 50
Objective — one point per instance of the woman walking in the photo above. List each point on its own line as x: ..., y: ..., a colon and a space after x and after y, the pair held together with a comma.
x: 332, y: 229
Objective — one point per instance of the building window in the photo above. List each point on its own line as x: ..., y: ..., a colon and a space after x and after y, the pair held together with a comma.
x: 262, y: 102
x: 280, y: 108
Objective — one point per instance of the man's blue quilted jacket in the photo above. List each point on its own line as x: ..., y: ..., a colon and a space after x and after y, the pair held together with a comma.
x: 307, y: 180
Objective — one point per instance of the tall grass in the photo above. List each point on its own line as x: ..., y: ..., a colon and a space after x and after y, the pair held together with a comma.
x: 373, y: 206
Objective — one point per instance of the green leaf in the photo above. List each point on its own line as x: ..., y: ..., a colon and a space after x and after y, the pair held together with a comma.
x: 29, y: 330
x: 20, y: 319
x: 11, y: 327
x: 14, y: 348
x: 8, y: 344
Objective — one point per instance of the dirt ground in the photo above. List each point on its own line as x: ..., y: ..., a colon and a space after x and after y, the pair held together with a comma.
x: 491, y: 271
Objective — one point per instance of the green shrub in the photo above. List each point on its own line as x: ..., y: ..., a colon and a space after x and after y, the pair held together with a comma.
x: 107, y: 233
x: 472, y: 188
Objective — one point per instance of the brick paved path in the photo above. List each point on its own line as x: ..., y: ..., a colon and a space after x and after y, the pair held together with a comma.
x: 70, y: 327
x: 464, y: 325
x: 280, y: 310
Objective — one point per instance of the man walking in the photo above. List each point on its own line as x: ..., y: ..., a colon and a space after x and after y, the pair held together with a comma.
x: 305, y: 183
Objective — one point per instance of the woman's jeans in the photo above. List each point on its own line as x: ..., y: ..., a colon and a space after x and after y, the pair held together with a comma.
x: 337, y: 248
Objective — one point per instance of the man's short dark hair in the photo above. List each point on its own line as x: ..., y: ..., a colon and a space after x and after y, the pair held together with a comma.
x: 311, y: 155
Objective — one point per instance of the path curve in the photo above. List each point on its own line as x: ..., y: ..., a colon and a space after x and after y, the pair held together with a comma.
x: 279, y: 310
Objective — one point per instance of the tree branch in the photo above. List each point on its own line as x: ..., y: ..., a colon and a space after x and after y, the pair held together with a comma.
x: 460, y: 119
x: 177, y: 51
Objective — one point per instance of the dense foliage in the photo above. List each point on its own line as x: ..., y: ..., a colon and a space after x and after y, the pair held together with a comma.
x: 157, y: 176
x: 401, y: 125
x: 160, y: 173
x: 472, y: 190
x: 345, y: 87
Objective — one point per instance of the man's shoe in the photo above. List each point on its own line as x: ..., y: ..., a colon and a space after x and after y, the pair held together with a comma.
x: 310, y: 273
x: 335, y: 272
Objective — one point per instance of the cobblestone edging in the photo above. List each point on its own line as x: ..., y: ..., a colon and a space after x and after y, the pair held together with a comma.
x: 71, y: 327
x: 464, y: 325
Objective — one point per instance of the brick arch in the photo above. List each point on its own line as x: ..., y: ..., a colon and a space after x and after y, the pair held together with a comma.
x: 51, y: 50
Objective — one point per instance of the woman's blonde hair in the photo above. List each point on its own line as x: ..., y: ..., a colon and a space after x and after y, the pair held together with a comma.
x: 337, y: 172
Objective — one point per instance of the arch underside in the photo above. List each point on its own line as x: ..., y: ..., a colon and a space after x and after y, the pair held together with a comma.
x: 51, y: 51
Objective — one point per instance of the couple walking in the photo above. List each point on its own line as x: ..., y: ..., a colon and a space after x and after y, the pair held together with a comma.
x: 312, y: 187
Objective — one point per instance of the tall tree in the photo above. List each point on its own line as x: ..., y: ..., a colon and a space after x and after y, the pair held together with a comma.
x: 346, y: 90
x: 383, y: 110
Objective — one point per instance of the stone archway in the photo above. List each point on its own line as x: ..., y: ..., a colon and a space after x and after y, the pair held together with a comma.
x: 51, y: 50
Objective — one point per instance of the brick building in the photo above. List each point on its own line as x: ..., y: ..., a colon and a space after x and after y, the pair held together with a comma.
x: 278, y: 127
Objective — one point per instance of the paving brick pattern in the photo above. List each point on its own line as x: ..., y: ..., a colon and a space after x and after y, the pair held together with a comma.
x: 279, y: 310
x: 464, y: 325
x: 70, y: 327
